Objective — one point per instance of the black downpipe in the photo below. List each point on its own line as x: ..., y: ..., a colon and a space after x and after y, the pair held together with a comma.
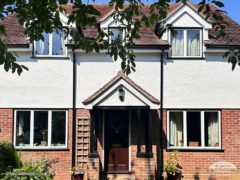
x: 161, y: 116
x: 74, y: 110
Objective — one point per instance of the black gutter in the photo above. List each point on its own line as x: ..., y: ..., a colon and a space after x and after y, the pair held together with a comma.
x: 221, y: 46
x: 74, y: 109
x: 161, y: 116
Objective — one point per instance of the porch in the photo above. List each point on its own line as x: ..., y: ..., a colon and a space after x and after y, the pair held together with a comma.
x: 123, y: 131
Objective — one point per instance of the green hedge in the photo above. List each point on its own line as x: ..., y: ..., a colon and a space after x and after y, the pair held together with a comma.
x: 39, y: 170
x: 9, y: 157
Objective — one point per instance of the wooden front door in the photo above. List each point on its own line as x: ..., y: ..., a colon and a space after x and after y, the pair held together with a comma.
x: 116, y: 141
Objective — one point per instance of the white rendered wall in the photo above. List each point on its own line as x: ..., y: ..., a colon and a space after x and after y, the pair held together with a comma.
x: 47, y: 84
x: 189, y: 83
x: 96, y: 71
x: 206, y: 83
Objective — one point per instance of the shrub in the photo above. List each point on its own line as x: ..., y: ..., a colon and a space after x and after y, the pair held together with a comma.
x: 39, y: 170
x: 9, y: 157
x: 172, y: 166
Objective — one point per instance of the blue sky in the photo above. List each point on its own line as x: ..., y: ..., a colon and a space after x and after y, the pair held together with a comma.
x: 231, y: 6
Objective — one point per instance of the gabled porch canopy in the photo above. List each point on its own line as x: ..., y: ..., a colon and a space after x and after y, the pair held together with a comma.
x: 121, y: 91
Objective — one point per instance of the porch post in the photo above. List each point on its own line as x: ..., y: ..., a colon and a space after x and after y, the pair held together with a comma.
x: 139, y: 131
x: 149, y: 150
x: 93, y: 137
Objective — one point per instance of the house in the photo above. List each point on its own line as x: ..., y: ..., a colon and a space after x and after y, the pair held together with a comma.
x: 90, y: 115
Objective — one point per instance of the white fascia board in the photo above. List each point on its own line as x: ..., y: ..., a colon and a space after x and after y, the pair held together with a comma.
x: 130, y: 88
x: 187, y: 9
x: 215, y: 50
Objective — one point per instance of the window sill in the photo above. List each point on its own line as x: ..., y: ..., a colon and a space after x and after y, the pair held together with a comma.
x: 196, y: 149
x: 42, y: 149
x: 50, y: 57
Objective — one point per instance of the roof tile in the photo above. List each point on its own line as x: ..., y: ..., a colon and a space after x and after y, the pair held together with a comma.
x: 16, y: 36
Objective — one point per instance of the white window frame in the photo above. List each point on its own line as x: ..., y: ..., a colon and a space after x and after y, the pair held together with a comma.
x: 202, y: 147
x: 50, y: 48
x: 185, y: 43
x: 49, y: 146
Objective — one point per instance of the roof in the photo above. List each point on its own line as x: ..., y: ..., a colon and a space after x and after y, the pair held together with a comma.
x: 15, y: 32
x: 16, y: 36
x: 114, y: 80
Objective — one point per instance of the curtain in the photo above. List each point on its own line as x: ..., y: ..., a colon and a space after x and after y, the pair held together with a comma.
x: 41, y: 43
x: 176, y: 129
x: 173, y: 130
x: 40, y: 47
x: 213, y: 130
x: 193, y: 42
x: 20, y: 125
x: 178, y: 44
x: 62, y: 37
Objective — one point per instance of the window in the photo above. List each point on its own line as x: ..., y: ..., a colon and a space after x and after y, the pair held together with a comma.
x: 186, y: 43
x: 116, y: 34
x: 194, y: 129
x: 40, y: 129
x: 53, y: 45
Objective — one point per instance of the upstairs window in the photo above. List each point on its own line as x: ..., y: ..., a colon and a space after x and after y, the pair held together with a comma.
x: 53, y: 45
x: 186, y: 43
x: 116, y: 34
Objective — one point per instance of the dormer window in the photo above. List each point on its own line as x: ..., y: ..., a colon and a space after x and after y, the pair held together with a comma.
x: 186, y: 43
x: 53, y: 45
x: 116, y: 34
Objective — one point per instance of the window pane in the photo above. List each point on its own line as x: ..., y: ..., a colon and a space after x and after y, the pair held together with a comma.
x: 116, y: 34
x: 178, y: 43
x: 42, y: 47
x: 40, y: 128
x: 58, y: 43
x: 193, y: 40
x: 23, y: 128
x: 211, y: 129
x: 193, y: 129
x: 176, y: 129
x: 58, y: 128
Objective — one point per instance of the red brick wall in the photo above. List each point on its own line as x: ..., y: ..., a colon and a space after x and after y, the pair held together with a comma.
x: 62, y: 168
x: 196, y: 164
x: 6, y: 124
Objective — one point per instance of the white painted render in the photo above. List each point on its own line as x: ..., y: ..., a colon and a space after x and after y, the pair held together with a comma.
x: 207, y: 83
x: 96, y: 71
x: 48, y: 83
x: 203, y: 84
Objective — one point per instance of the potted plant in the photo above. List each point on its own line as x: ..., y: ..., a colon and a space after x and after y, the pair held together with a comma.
x: 172, y: 167
x: 77, y: 173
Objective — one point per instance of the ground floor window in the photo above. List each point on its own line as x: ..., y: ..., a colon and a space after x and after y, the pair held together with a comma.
x: 194, y: 129
x: 40, y: 129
